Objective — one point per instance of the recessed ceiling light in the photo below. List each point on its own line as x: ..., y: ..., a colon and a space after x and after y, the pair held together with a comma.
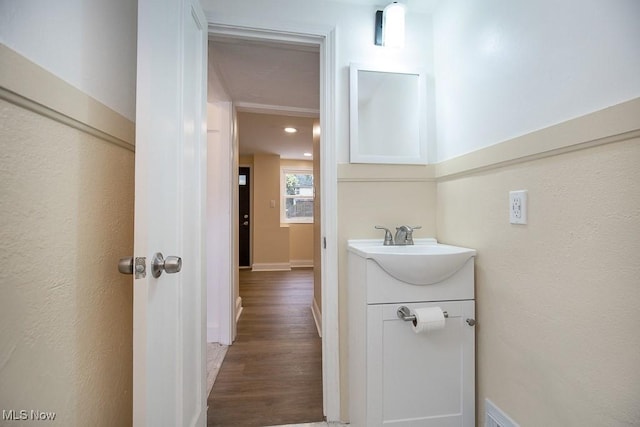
x: 308, y: 154
x: 290, y: 130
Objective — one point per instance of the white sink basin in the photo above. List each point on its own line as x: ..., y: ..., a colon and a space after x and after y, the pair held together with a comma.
x: 425, y: 263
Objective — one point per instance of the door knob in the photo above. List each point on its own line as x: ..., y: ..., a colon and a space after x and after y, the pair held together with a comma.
x: 245, y: 223
x: 125, y: 265
x: 171, y: 264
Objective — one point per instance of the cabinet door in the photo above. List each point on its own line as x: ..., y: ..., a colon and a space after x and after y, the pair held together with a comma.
x: 425, y: 379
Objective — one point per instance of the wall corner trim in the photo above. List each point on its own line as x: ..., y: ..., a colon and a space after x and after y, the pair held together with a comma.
x: 349, y: 172
x: 27, y: 85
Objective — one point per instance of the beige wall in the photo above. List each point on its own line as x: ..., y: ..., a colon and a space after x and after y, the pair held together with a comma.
x: 557, y: 299
x: 275, y: 245
x: 67, y: 217
x: 301, y: 245
x: 245, y: 161
x: 270, y: 240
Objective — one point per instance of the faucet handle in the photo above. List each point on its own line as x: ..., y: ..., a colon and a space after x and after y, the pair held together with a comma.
x: 409, y: 238
x: 388, y: 238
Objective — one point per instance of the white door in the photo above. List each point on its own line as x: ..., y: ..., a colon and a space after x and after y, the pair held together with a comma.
x: 169, y: 311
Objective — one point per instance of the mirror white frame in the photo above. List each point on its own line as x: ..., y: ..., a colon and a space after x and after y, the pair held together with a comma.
x: 388, y: 121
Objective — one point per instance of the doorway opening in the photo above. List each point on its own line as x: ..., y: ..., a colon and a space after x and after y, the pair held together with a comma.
x: 323, y: 43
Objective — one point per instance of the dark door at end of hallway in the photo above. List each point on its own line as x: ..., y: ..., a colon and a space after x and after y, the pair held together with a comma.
x: 244, y: 205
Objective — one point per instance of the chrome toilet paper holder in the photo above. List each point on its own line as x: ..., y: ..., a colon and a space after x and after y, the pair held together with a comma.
x: 405, y: 314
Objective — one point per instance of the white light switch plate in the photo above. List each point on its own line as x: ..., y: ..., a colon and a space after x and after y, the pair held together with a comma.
x: 518, y: 207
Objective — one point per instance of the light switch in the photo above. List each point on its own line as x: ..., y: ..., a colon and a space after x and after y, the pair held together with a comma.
x: 273, y: 203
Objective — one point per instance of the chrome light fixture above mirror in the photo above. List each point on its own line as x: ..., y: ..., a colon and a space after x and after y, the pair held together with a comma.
x: 390, y: 25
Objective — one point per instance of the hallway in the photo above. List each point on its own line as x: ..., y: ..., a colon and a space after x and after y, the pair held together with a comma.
x: 272, y: 374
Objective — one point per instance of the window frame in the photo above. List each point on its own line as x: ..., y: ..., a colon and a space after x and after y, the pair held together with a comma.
x: 300, y: 170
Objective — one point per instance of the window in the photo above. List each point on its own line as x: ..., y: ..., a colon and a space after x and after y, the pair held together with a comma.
x: 297, y: 196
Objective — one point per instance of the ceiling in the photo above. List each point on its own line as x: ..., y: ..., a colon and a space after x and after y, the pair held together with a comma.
x: 273, y: 86
x: 264, y: 134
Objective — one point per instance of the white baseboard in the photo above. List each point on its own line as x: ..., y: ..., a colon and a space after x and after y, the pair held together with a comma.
x: 274, y: 266
x: 238, y: 308
x: 301, y: 263
x: 317, y: 316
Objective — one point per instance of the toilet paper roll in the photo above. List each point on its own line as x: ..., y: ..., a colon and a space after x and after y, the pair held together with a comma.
x: 428, y: 319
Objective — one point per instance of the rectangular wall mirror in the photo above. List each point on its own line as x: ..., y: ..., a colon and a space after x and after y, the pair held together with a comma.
x: 387, y: 115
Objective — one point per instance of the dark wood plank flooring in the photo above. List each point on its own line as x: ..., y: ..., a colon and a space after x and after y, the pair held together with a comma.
x: 272, y: 374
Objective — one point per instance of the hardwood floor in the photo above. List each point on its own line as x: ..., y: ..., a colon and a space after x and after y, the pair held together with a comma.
x: 272, y: 374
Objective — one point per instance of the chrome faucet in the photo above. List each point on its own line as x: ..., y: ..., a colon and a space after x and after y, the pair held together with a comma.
x: 404, y: 235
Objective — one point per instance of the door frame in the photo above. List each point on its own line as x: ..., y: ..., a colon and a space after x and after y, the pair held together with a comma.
x: 325, y: 38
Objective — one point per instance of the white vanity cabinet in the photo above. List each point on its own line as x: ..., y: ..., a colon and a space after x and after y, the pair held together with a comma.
x: 399, y: 377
